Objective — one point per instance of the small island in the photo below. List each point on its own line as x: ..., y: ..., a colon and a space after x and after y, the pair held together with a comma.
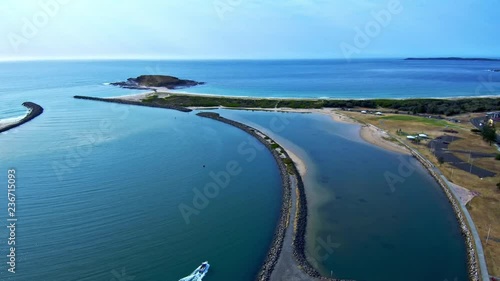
x: 145, y: 82
x: 455, y: 58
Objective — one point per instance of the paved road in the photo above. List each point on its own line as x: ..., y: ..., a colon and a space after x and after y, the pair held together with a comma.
x: 477, y: 240
x: 474, y: 154
x: 439, y: 146
x: 476, y: 121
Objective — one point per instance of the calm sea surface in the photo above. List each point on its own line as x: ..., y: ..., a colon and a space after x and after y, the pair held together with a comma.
x: 101, y: 187
x: 362, y: 227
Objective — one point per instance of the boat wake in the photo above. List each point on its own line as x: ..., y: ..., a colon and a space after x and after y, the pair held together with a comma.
x: 198, y: 274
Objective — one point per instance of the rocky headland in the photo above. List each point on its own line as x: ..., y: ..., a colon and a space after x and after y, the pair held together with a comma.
x: 150, y: 82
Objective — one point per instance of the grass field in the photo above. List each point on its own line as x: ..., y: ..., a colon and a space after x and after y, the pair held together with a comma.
x: 484, y: 209
x: 418, y: 119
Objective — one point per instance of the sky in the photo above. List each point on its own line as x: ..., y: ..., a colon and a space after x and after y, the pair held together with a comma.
x: 247, y: 29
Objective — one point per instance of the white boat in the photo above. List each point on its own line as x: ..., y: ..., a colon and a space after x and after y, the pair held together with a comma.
x: 198, y: 274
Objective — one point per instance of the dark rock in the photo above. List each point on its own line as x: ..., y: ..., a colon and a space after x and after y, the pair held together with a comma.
x: 35, y: 110
x: 145, y: 82
x: 174, y: 107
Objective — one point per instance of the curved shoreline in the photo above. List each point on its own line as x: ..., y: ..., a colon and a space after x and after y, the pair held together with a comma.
x: 300, y: 223
x: 34, y: 111
x: 279, y: 235
x: 467, y: 226
x: 476, y: 264
x: 300, y: 220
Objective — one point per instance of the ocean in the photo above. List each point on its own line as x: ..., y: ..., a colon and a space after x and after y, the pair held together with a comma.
x: 101, y: 187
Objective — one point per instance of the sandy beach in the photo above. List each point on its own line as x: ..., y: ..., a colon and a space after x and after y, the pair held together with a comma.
x: 380, y: 138
x: 299, y: 163
x: 140, y: 97
x: 369, y: 133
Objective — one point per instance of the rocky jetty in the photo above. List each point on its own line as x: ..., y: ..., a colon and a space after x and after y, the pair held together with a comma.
x: 34, y: 111
x: 472, y: 262
x: 279, y: 235
x: 286, y: 170
x: 145, y: 82
x: 140, y: 103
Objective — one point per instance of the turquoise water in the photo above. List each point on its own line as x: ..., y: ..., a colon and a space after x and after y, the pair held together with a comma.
x: 390, y: 78
x: 361, y: 227
x: 100, y: 185
x: 94, y: 201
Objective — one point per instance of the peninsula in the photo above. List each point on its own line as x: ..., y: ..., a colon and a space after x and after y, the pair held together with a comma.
x: 413, y: 115
x: 288, y: 246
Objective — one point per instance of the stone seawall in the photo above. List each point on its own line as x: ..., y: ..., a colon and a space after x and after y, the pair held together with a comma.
x: 121, y: 101
x: 279, y: 234
x: 35, y: 110
x: 472, y: 263
x: 300, y: 225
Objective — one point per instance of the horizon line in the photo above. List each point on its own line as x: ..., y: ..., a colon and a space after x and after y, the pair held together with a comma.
x: 138, y: 58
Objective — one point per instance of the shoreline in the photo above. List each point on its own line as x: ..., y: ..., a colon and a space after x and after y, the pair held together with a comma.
x: 293, y: 223
x: 467, y: 227
x: 35, y: 110
x: 381, y: 138
x: 162, y: 90
x: 300, y: 219
x: 368, y: 133
x: 279, y: 235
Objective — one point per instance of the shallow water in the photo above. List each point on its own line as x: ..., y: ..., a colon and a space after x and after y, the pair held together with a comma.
x: 360, y: 226
x: 100, y: 185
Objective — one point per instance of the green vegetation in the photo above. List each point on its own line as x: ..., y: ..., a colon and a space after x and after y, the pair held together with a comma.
x: 150, y: 98
x: 275, y: 145
x: 289, y: 165
x: 441, y: 106
x: 163, y: 81
x: 489, y: 134
x: 409, y: 106
x: 427, y: 121
x: 477, y: 131
x: 497, y: 157
x: 190, y: 100
x: 441, y: 160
